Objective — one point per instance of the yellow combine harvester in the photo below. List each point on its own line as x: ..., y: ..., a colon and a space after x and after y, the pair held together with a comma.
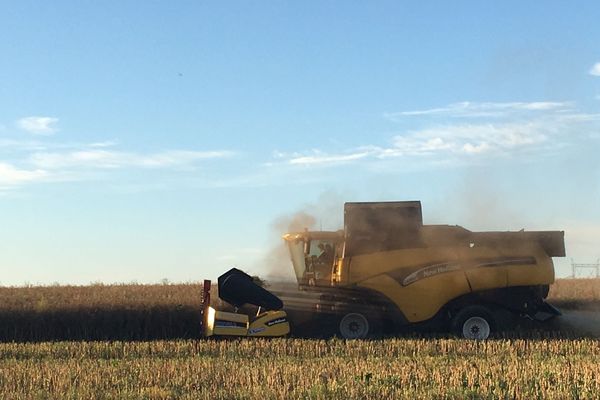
x: 386, y: 270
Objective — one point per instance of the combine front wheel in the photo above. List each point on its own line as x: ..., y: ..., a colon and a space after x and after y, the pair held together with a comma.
x: 354, y: 326
x: 474, y: 322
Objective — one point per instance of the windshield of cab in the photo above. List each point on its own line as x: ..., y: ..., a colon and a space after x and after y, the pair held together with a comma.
x: 312, y: 260
x: 297, y: 255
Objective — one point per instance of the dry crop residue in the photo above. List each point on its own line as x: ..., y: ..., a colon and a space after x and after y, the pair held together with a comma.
x: 302, y: 369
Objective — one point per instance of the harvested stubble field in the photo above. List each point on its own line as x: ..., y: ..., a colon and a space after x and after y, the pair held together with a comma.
x: 113, y: 357
x: 302, y: 369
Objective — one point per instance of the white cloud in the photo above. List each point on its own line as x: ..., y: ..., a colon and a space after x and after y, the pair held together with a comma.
x: 476, y: 149
x: 21, y: 145
x: 32, y: 161
x: 99, y: 158
x: 467, y: 109
x: 454, y: 137
x: 321, y: 158
x: 510, y: 128
x: 595, y: 70
x: 11, y: 175
x: 447, y: 140
x: 106, y: 143
x: 38, y: 125
x: 178, y: 157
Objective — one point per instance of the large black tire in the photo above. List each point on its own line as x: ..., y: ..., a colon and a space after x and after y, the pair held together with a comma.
x: 354, y: 325
x: 474, y: 322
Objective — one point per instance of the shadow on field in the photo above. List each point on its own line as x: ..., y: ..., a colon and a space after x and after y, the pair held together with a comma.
x: 582, y: 323
x: 162, y: 323
x: 154, y: 323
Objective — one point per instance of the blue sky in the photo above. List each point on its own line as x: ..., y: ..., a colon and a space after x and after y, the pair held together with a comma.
x: 150, y: 140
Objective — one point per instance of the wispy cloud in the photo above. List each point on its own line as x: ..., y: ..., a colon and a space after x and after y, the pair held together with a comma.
x: 45, y: 159
x: 105, y: 143
x: 468, y: 109
x: 469, y: 138
x: 595, y: 70
x: 484, y: 130
x: 38, y: 125
x: 319, y: 157
x: 12, y: 144
x: 100, y: 158
x: 11, y: 176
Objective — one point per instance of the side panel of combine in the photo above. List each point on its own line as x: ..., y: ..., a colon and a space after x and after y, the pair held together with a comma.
x: 422, y: 281
x: 540, y: 271
x: 404, y: 276
x: 497, y: 264
x: 487, y: 267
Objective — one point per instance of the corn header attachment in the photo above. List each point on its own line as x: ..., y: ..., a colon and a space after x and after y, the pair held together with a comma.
x: 238, y: 289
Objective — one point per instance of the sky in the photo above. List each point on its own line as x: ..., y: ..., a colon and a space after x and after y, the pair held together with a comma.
x: 142, y: 141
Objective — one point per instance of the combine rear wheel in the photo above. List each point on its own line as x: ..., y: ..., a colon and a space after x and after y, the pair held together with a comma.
x: 474, y: 322
x: 354, y: 326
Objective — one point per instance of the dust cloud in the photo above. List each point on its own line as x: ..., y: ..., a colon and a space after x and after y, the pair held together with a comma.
x: 478, y: 204
x: 579, y: 322
x: 276, y: 264
x: 324, y: 214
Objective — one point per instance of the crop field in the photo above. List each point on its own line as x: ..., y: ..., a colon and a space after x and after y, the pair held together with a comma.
x: 137, y: 341
x: 576, y: 293
x: 100, y: 312
x: 302, y: 369
x: 154, y: 312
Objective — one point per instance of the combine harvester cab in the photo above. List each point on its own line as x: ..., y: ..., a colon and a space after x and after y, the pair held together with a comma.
x: 386, y: 269
x: 238, y: 288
